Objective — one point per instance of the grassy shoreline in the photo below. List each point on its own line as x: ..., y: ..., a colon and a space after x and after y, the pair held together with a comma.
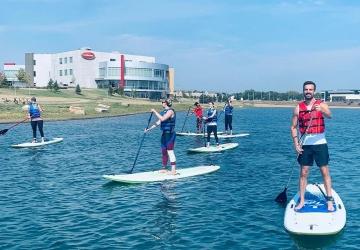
x: 56, y: 105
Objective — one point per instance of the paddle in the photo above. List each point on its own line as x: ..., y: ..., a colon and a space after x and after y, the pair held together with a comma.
x: 185, y: 119
x: 221, y: 112
x: 282, y: 197
x: 4, y: 131
x: 141, y: 142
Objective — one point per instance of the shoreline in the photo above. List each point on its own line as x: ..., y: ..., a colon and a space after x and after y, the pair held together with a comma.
x: 237, y: 105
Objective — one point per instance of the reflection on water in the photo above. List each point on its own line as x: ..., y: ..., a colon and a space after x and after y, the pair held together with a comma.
x: 165, y: 224
x: 315, y: 242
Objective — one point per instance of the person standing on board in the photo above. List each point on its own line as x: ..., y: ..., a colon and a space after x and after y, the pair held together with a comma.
x: 198, y: 111
x: 211, y: 121
x: 228, y: 110
x: 167, y: 119
x: 34, y: 114
x: 308, y: 117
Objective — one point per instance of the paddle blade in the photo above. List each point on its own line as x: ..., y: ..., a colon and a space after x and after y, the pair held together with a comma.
x: 3, y: 132
x: 282, y: 197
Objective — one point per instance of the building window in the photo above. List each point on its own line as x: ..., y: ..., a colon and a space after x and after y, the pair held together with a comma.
x: 113, y: 71
x: 112, y: 60
x: 60, y: 60
x: 65, y: 60
x: 70, y: 59
x: 70, y: 72
x: 34, y: 73
x: 60, y: 72
x: 159, y: 73
x: 34, y: 62
x: 138, y: 72
x: 65, y: 72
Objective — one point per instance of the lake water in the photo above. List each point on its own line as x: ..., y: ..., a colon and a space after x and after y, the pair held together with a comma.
x: 55, y: 197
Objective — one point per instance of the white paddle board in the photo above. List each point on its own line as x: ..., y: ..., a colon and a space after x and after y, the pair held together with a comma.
x: 155, y: 176
x: 225, y: 136
x: 192, y: 133
x: 37, y: 144
x: 314, y: 218
x: 214, y: 148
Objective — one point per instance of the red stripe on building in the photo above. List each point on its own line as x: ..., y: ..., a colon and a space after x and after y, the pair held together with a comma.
x: 122, y: 72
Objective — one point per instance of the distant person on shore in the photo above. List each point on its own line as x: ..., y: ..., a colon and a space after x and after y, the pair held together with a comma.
x: 198, y: 112
x: 167, y: 119
x: 211, y: 122
x: 228, y: 110
x: 308, y: 116
x: 34, y: 114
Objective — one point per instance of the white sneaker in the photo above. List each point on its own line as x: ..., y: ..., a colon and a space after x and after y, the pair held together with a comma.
x: 42, y: 139
x: 34, y: 140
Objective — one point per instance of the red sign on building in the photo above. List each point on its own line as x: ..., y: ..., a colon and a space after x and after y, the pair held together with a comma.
x: 88, y: 55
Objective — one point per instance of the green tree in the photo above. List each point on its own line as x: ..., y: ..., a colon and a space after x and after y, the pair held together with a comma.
x: 50, y: 84
x: 55, y: 86
x: 120, y: 91
x: 110, y: 90
x: 23, y: 76
x: 78, y: 89
x: 3, y: 81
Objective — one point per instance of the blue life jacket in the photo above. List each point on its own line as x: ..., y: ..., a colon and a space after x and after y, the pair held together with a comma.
x: 34, y: 110
x: 210, y: 112
x: 169, y: 124
x: 228, y: 110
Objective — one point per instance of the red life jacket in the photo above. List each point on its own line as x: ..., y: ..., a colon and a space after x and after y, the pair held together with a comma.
x: 317, y: 124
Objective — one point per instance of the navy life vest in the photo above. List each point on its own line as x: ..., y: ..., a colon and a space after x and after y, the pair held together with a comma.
x: 169, y: 124
x: 210, y: 112
x: 228, y: 110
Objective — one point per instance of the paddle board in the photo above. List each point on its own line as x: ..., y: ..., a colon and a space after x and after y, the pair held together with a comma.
x: 192, y: 133
x: 155, y: 176
x: 225, y: 136
x: 37, y: 144
x: 314, y: 218
x: 214, y: 148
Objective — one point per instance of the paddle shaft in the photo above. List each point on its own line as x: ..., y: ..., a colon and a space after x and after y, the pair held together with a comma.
x: 16, y: 124
x: 141, y: 142
x: 185, y: 119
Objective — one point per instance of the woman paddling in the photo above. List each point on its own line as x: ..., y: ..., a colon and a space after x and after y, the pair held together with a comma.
x: 167, y: 119
x: 211, y: 121
x: 34, y: 114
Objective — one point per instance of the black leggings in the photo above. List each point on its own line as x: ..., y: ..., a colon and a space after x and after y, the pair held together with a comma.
x: 210, y: 129
x: 39, y: 124
x: 228, y: 122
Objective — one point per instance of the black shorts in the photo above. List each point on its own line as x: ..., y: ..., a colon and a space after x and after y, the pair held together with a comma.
x: 319, y: 153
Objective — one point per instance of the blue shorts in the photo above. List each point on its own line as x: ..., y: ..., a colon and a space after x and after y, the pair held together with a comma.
x: 319, y: 153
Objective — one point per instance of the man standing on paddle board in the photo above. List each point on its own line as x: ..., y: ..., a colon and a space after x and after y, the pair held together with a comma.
x: 34, y: 114
x: 167, y: 119
x: 211, y: 121
x: 309, y: 117
x: 228, y: 110
x: 198, y: 111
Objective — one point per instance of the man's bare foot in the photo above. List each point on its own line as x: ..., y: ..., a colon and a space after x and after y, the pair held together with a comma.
x: 172, y: 173
x: 163, y: 170
x: 299, y: 206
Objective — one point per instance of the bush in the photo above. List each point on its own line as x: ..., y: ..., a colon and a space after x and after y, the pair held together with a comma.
x: 78, y: 89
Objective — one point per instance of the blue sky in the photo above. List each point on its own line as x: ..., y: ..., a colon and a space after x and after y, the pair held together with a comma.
x: 226, y: 46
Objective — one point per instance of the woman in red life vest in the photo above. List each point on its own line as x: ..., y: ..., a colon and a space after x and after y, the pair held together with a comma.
x: 309, y: 116
x: 198, y: 112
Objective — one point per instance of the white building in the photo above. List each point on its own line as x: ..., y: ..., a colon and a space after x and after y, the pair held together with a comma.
x: 10, y: 71
x: 93, y: 69
x: 341, y: 95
